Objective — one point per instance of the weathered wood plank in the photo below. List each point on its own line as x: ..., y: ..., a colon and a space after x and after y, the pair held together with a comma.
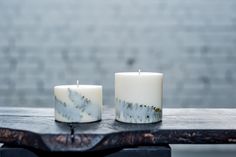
x: 36, y: 128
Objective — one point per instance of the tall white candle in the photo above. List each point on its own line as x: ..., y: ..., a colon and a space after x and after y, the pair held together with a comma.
x: 138, y: 97
x: 78, y: 103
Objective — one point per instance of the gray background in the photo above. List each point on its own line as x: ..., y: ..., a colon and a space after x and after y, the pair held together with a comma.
x: 50, y: 42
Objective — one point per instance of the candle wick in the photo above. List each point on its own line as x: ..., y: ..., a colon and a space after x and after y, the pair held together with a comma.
x: 139, y: 71
x: 77, y: 83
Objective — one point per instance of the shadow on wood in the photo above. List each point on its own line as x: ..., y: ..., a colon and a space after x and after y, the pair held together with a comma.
x: 142, y: 151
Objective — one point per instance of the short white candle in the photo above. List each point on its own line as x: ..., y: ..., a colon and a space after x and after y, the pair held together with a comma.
x: 138, y: 97
x: 78, y: 103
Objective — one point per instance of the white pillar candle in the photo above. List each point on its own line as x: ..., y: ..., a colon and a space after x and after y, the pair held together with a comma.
x: 138, y: 97
x: 78, y: 103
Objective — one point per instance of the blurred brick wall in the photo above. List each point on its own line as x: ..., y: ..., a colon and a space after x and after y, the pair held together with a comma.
x: 49, y: 42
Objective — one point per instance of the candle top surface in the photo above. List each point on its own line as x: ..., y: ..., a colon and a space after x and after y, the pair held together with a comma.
x: 139, y: 73
x: 79, y: 86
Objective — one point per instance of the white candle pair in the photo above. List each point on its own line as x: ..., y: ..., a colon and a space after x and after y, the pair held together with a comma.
x: 138, y: 99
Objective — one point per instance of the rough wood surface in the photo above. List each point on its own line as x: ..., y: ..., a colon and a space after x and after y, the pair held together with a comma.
x: 36, y: 128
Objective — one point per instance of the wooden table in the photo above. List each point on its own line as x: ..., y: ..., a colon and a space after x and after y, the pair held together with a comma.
x: 34, y: 130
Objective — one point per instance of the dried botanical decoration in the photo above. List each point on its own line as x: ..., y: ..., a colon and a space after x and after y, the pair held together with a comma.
x: 136, y: 113
x: 81, y: 109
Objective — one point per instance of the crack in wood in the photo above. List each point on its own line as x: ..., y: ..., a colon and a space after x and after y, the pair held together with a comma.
x: 72, y: 131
